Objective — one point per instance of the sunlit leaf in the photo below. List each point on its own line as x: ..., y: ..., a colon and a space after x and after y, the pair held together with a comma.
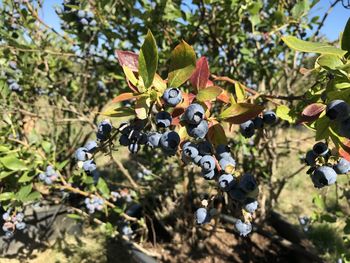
x: 129, y: 59
x: 200, y: 76
x: 209, y: 93
x: 241, y: 112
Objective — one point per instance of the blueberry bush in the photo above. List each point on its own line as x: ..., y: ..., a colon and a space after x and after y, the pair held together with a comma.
x: 158, y: 118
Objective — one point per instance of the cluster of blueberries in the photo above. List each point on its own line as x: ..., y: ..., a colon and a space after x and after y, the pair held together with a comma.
x: 14, y: 19
x: 12, y: 222
x: 94, y: 203
x: 241, y: 189
x: 248, y: 128
x: 49, y: 176
x: 339, y: 111
x: 86, y: 18
x: 13, y: 84
x: 323, y: 172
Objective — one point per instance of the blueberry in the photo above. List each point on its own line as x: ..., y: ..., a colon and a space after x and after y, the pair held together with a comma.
x: 42, y: 176
x: 208, y: 175
x: 197, y: 159
x: 127, y: 231
x: 237, y: 194
x: 251, y: 206
x: 100, y: 85
x: 104, y: 129
x: 320, y: 149
x: 243, y: 228
x: 247, y: 183
x: 134, y: 148
x: 50, y: 171
x: 20, y: 225
x: 6, y: 216
x: 89, y: 14
x: 198, y: 131
x: 172, y: 96
x: 48, y: 180
x: 153, y: 139
x: 310, y: 158
x: 89, y: 166
x: 207, y: 163
x: 247, y: 129
x: 19, y: 217
x: 13, y: 65
x: 269, y: 117
x: 190, y: 150
x: 81, y: 13
x: 205, y: 148
x: 124, y: 140
x: 227, y: 163
x: 169, y: 141
x: 8, y: 234
x: 91, y: 146
x: 342, y: 167
x: 15, y: 87
x: 258, y: 123
x: 344, y: 129
x: 323, y: 176
x: 226, y: 182
x: 142, y: 140
x: 93, y: 23
x: 84, y: 21
x: 194, y: 114
x: 223, y: 151
x: 80, y: 154
x: 202, y: 216
x: 163, y: 119
x: 337, y: 110
x: 10, y: 81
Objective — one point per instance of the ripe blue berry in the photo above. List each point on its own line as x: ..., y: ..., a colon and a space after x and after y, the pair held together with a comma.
x: 247, y: 129
x: 190, y: 150
x: 205, y: 148
x: 337, y: 110
x: 243, y: 228
x: 13, y: 65
x: 101, y: 86
x: 84, y: 21
x: 251, y: 206
x: 104, y: 129
x: 163, y: 119
x: 227, y: 163
x: 202, y: 216
x: 342, y: 167
x: 247, y: 183
x: 344, y: 128
x: 258, y: 123
x: 320, y: 149
x: 197, y: 159
x: 91, y: 146
x: 194, y: 114
x: 134, y: 148
x: 237, y: 194
x: 89, y: 166
x: 198, y: 131
x: 226, y: 182
x: 172, y: 96
x: 207, y: 163
x: 124, y: 140
x: 20, y: 225
x: 223, y: 151
x: 153, y: 139
x: 80, y: 154
x: 323, y: 176
x: 208, y: 175
x: 169, y: 141
x: 310, y: 158
x: 269, y: 117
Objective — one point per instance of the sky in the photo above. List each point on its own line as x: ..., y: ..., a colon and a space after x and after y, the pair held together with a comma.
x: 334, y: 24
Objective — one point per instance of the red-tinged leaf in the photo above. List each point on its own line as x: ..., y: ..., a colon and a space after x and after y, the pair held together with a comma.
x: 209, y: 83
x: 131, y: 86
x: 200, y: 76
x: 216, y: 134
x: 344, y: 150
x: 312, y: 112
x: 224, y: 97
x: 209, y: 106
x: 128, y: 58
x: 124, y: 97
x: 241, y: 112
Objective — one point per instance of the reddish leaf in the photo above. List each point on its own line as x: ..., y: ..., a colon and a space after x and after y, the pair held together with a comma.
x: 224, y: 97
x: 124, y: 97
x: 216, y: 134
x: 209, y: 83
x: 128, y: 58
x: 344, y: 150
x: 200, y: 76
x: 312, y: 112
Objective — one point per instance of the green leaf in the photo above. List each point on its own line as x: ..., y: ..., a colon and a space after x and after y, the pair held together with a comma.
x: 142, y: 107
x: 240, y: 92
x: 4, y: 148
x: 46, y: 146
x: 319, y: 202
x: 103, y: 187
x: 345, y: 40
x: 209, y: 93
x: 119, y: 112
x: 24, y: 192
x: 300, y: 8
x: 6, y: 196
x: 182, y: 64
x: 311, y: 47
x: 322, y: 128
x: 13, y: 163
x: 32, y: 197
x: 329, y: 61
x: 4, y: 174
x: 25, y: 178
x: 347, y: 227
x: 241, y: 112
x: 74, y: 216
x: 216, y: 134
x: 282, y: 112
x: 130, y: 75
x: 148, y: 59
